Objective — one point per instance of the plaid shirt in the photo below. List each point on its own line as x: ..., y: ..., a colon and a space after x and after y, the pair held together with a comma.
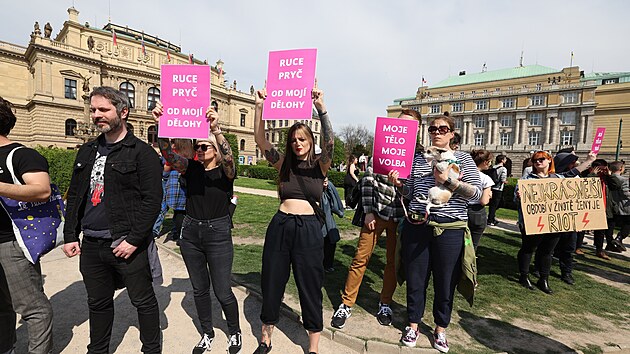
x: 174, y: 194
x: 378, y: 196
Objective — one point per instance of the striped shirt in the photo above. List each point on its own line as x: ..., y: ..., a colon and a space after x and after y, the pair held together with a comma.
x: 422, y: 179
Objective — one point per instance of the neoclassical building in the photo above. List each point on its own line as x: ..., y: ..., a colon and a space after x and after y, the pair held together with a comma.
x: 49, y: 80
x: 514, y: 111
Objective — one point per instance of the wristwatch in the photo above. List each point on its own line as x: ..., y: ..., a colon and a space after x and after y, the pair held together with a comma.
x: 448, y: 182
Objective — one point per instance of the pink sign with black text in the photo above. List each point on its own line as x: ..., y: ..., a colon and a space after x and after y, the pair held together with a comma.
x: 290, y: 80
x: 185, y: 95
x: 394, y: 145
x: 597, y: 141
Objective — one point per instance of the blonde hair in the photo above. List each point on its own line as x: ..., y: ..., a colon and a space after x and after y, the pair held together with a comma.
x: 213, y: 141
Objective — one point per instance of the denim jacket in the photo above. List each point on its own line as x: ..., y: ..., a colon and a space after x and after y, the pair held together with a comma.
x: 133, y: 187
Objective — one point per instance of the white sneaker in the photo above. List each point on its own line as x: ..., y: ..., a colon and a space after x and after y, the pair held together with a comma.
x: 235, y: 343
x: 409, y: 337
x: 205, y: 344
x: 341, y: 315
x: 439, y: 341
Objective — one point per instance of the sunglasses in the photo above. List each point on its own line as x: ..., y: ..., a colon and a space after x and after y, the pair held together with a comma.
x: 203, y: 147
x: 539, y: 160
x: 443, y: 129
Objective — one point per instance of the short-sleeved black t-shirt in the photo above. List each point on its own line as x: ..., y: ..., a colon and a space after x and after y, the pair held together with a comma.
x: 24, y: 160
x: 207, y: 192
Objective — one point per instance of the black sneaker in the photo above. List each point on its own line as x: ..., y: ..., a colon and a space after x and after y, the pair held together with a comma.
x: 567, y: 278
x: 341, y: 315
x: 384, y: 315
x: 263, y: 348
x: 205, y: 344
x: 235, y: 343
x: 619, y: 245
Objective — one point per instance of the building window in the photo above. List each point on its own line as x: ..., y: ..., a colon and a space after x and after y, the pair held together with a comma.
x: 71, y: 124
x: 242, y: 145
x: 436, y: 108
x: 71, y: 88
x: 273, y: 123
x: 508, y: 102
x: 243, y: 120
x: 130, y: 127
x: 610, y: 81
x: 566, y: 138
x: 505, y: 139
x: 480, y: 122
x: 267, y: 136
x: 538, y: 100
x: 130, y: 91
x: 535, y: 119
x: 458, y: 124
x: 153, y: 96
x: 506, y: 121
x: 286, y: 122
x: 152, y: 135
x: 481, y: 104
x: 273, y: 137
x: 316, y: 126
x: 570, y: 97
x: 533, y: 138
x: 457, y: 107
x: 479, y: 139
x: 567, y: 117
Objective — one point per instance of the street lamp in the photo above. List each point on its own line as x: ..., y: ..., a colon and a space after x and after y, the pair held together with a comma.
x: 619, y: 144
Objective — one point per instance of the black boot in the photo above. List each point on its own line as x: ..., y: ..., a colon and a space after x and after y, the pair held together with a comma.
x: 524, y: 280
x: 618, y: 242
x: 543, y: 285
x: 567, y: 278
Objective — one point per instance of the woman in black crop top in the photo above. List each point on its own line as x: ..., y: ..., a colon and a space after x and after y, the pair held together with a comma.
x: 206, y: 236
x: 294, y: 236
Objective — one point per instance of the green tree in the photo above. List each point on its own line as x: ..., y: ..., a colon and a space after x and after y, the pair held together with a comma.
x: 282, y: 140
x: 233, y: 141
x: 339, y: 152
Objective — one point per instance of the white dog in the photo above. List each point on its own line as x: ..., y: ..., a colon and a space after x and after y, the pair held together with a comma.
x: 441, y: 159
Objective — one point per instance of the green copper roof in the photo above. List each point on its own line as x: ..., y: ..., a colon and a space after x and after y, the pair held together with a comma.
x: 604, y: 76
x: 398, y: 100
x: 495, y: 75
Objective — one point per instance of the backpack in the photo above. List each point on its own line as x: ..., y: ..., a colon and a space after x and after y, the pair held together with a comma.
x: 493, y: 173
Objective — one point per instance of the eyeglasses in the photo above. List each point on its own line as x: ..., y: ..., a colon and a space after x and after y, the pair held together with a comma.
x: 443, y: 129
x: 204, y: 147
x: 539, y: 160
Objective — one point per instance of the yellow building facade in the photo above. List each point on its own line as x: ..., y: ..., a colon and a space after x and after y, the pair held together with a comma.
x: 49, y: 80
x: 514, y: 111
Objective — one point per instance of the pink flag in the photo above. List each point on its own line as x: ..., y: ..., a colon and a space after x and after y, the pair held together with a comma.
x: 114, y: 37
x: 597, y: 141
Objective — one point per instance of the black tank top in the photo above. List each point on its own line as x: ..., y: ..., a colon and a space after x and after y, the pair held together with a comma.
x: 313, y: 183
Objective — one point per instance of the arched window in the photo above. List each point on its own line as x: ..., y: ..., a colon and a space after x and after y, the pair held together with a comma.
x: 152, y: 135
x: 130, y: 127
x: 242, y: 147
x: 152, y: 96
x: 128, y: 89
x: 71, y: 124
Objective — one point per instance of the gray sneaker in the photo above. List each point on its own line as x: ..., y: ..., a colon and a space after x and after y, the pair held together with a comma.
x: 341, y: 315
x: 384, y: 315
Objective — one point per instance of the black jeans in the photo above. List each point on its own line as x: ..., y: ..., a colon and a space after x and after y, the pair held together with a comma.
x: 207, y: 249
x: 477, y: 222
x: 543, y: 245
x: 178, y: 220
x: 293, y: 241
x: 599, y: 235
x: 329, y: 252
x: 101, y: 272
x: 623, y: 221
x: 564, y: 251
x: 495, y: 203
x: 424, y: 254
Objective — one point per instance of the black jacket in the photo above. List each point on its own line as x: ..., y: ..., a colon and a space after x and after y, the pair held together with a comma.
x: 133, y: 175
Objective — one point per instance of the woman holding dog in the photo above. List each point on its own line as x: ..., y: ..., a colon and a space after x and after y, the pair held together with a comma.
x: 434, y: 244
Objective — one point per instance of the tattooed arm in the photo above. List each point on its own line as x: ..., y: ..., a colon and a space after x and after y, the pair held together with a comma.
x: 328, y: 140
x: 227, y: 159
x: 271, y: 154
x: 178, y: 162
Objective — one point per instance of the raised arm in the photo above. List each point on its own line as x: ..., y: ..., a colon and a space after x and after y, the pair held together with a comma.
x: 328, y: 139
x: 227, y: 160
x: 178, y: 162
x: 271, y: 154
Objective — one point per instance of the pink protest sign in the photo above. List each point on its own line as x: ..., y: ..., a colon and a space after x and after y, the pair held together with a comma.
x: 394, y: 145
x: 290, y: 80
x: 185, y: 94
x: 597, y: 141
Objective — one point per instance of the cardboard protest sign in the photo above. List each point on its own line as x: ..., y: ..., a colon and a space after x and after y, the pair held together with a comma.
x: 185, y: 94
x: 290, y: 80
x: 562, y: 205
x: 394, y: 145
x: 597, y: 141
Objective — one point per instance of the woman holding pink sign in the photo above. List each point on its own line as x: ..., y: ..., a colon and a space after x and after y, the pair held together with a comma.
x: 438, y: 244
x: 294, y: 238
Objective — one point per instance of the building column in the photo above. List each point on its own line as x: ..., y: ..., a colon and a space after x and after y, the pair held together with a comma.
x: 547, y: 130
x: 492, y: 129
x: 580, y: 130
x: 517, y: 132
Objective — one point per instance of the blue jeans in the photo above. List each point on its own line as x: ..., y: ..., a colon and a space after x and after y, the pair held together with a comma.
x: 207, y: 249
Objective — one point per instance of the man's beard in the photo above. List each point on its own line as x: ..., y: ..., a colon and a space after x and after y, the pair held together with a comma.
x: 111, y: 126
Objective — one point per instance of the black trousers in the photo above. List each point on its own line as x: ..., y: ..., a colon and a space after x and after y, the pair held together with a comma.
x: 623, y: 221
x: 293, y: 241
x: 543, y: 245
x: 477, y: 222
x: 564, y: 251
x: 329, y: 252
x: 599, y: 235
x: 208, y: 252
x: 101, y: 271
x: 494, y: 205
x: 178, y: 219
x: 424, y: 254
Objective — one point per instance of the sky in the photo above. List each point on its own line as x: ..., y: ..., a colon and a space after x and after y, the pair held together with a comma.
x: 370, y: 52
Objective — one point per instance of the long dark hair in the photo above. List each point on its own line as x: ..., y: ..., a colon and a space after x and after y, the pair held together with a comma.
x: 290, y: 159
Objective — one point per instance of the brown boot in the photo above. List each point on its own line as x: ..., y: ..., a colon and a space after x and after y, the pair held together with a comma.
x: 579, y: 251
x: 603, y: 255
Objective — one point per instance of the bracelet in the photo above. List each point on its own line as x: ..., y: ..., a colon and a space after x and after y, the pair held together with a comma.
x: 323, y: 113
x: 216, y: 132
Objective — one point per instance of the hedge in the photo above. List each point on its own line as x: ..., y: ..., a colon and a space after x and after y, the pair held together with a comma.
x: 60, y: 164
x: 270, y: 173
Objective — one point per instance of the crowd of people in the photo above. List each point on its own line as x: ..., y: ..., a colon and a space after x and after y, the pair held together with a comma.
x: 120, y: 190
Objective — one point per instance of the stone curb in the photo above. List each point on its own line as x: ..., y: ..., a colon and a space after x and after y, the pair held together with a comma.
x: 361, y: 345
